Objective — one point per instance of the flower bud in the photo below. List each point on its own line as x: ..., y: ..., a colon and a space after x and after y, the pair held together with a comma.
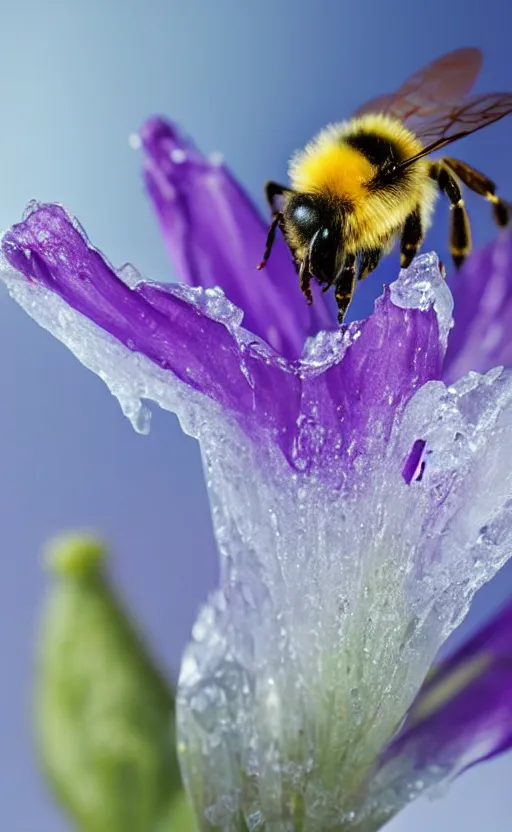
x: 104, y: 713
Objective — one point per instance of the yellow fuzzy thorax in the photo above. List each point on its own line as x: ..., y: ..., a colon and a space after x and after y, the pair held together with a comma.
x: 328, y: 166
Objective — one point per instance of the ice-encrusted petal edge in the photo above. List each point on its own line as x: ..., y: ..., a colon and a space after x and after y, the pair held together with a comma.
x: 147, y: 330
x: 320, y: 412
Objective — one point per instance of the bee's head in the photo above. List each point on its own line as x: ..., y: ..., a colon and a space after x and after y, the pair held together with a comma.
x: 317, y: 229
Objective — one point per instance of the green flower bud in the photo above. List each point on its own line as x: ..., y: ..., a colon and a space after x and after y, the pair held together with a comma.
x: 104, y: 713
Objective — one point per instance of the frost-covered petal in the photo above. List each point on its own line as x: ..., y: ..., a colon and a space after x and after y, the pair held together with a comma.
x: 159, y: 321
x: 323, y: 412
x: 332, y: 607
x: 461, y: 716
x: 216, y: 237
x: 482, y: 291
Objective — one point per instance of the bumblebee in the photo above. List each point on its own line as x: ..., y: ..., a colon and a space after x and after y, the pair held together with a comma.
x: 363, y: 184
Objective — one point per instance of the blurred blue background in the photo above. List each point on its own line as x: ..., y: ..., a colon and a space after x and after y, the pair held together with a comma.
x: 253, y: 81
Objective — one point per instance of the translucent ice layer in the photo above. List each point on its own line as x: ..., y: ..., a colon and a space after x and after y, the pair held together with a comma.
x: 358, y: 504
x: 461, y: 716
x: 332, y: 607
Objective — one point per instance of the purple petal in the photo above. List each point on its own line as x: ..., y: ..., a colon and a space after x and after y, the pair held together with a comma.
x: 48, y: 247
x: 390, y: 355
x: 324, y: 412
x: 482, y: 291
x: 216, y: 237
x: 463, y: 713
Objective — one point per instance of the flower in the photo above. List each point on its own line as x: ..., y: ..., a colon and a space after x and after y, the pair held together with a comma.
x: 358, y: 501
x: 102, y: 706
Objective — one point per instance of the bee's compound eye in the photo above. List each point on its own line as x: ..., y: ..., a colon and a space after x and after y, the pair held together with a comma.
x: 305, y: 215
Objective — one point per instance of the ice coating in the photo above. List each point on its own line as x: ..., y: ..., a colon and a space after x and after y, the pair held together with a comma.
x: 412, y: 291
x: 331, y: 610
x: 336, y: 591
x: 462, y: 715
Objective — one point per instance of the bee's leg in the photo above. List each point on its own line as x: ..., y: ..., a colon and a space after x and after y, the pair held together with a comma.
x: 305, y: 280
x: 273, y: 190
x: 412, y: 238
x: 369, y: 261
x: 460, y: 230
x: 480, y: 184
x: 276, y: 220
x: 345, y: 285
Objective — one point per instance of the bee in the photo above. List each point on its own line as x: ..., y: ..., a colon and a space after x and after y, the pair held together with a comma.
x: 361, y: 185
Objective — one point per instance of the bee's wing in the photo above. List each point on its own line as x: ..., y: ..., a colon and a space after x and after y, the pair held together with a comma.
x: 380, y: 104
x: 445, y: 80
x: 450, y: 123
